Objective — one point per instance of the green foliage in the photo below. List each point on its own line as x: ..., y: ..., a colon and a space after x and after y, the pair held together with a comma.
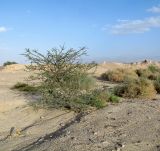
x: 9, y: 63
x: 113, y: 98
x: 99, y: 98
x: 25, y: 87
x: 136, y: 88
x: 63, y: 78
x: 85, y: 82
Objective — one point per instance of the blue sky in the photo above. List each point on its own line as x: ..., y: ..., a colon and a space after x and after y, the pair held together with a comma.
x: 110, y: 29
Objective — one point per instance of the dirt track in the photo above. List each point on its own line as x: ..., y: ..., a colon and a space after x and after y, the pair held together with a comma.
x: 132, y: 125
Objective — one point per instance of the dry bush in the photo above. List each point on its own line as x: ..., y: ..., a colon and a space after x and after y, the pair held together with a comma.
x: 145, y: 73
x: 152, y: 72
x: 136, y: 88
x: 153, y: 68
x: 118, y: 75
x: 157, y: 84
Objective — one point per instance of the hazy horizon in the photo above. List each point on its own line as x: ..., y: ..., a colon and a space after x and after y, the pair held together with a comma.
x: 124, y: 30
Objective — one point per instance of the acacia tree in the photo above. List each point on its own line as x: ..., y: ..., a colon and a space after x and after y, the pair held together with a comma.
x: 62, y: 75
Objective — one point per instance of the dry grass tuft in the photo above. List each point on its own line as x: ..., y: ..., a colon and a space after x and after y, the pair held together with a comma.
x: 136, y: 88
x: 118, y: 75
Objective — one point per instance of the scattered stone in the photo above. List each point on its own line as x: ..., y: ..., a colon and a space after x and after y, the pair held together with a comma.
x: 105, y: 143
x: 118, y: 149
x: 112, y: 118
x: 95, y: 133
x: 148, y: 117
x: 72, y: 137
x: 138, y: 141
x: 41, y: 117
x: 61, y: 124
x: 68, y: 132
x: 41, y: 139
x: 129, y: 112
x: 158, y: 147
x: 91, y: 140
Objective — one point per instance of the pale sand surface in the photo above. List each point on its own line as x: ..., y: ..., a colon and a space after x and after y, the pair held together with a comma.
x: 15, y: 111
x: 128, y: 126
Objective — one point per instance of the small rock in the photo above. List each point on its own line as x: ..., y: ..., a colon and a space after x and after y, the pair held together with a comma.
x: 95, y: 133
x: 68, y: 132
x: 91, y: 140
x: 112, y: 118
x: 118, y: 149
x: 149, y: 117
x: 61, y: 124
x: 109, y: 112
x: 158, y: 147
x: 41, y: 139
x: 129, y: 112
x: 73, y: 138
x: 119, y: 144
x: 105, y: 143
x: 138, y: 141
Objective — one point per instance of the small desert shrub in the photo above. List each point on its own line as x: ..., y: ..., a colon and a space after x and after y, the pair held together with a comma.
x: 9, y: 63
x: 86, y: 82
x: 153, y: 68
x: 136, y: 88
x: 143, y: 73
x: 96, y: 99
x: 25, y: 87
x: 63, y: 78
x: 151, y: 73
x: 157, y: 84
x: 113, y: 98
x: 118, y: 75
x: 100, y: 98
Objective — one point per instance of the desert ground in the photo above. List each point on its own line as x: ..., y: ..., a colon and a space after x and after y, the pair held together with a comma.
x: 131, y: 125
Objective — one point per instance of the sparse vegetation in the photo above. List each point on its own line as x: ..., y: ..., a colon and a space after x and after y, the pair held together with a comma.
x: 152, y: 72
x: 153, y: 68
x: 9, y: 63
x: 136, y: 88
x: 118, y: 75
x: 25, y: 87
x: 157, y: 84
x: 113, y: 98
x: 139, y: 83
x: 63, y: 78
x: 99, y: 98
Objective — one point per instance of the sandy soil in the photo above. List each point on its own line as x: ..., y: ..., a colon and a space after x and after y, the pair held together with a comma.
x: 132, y: 125
x: 20, y: 118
